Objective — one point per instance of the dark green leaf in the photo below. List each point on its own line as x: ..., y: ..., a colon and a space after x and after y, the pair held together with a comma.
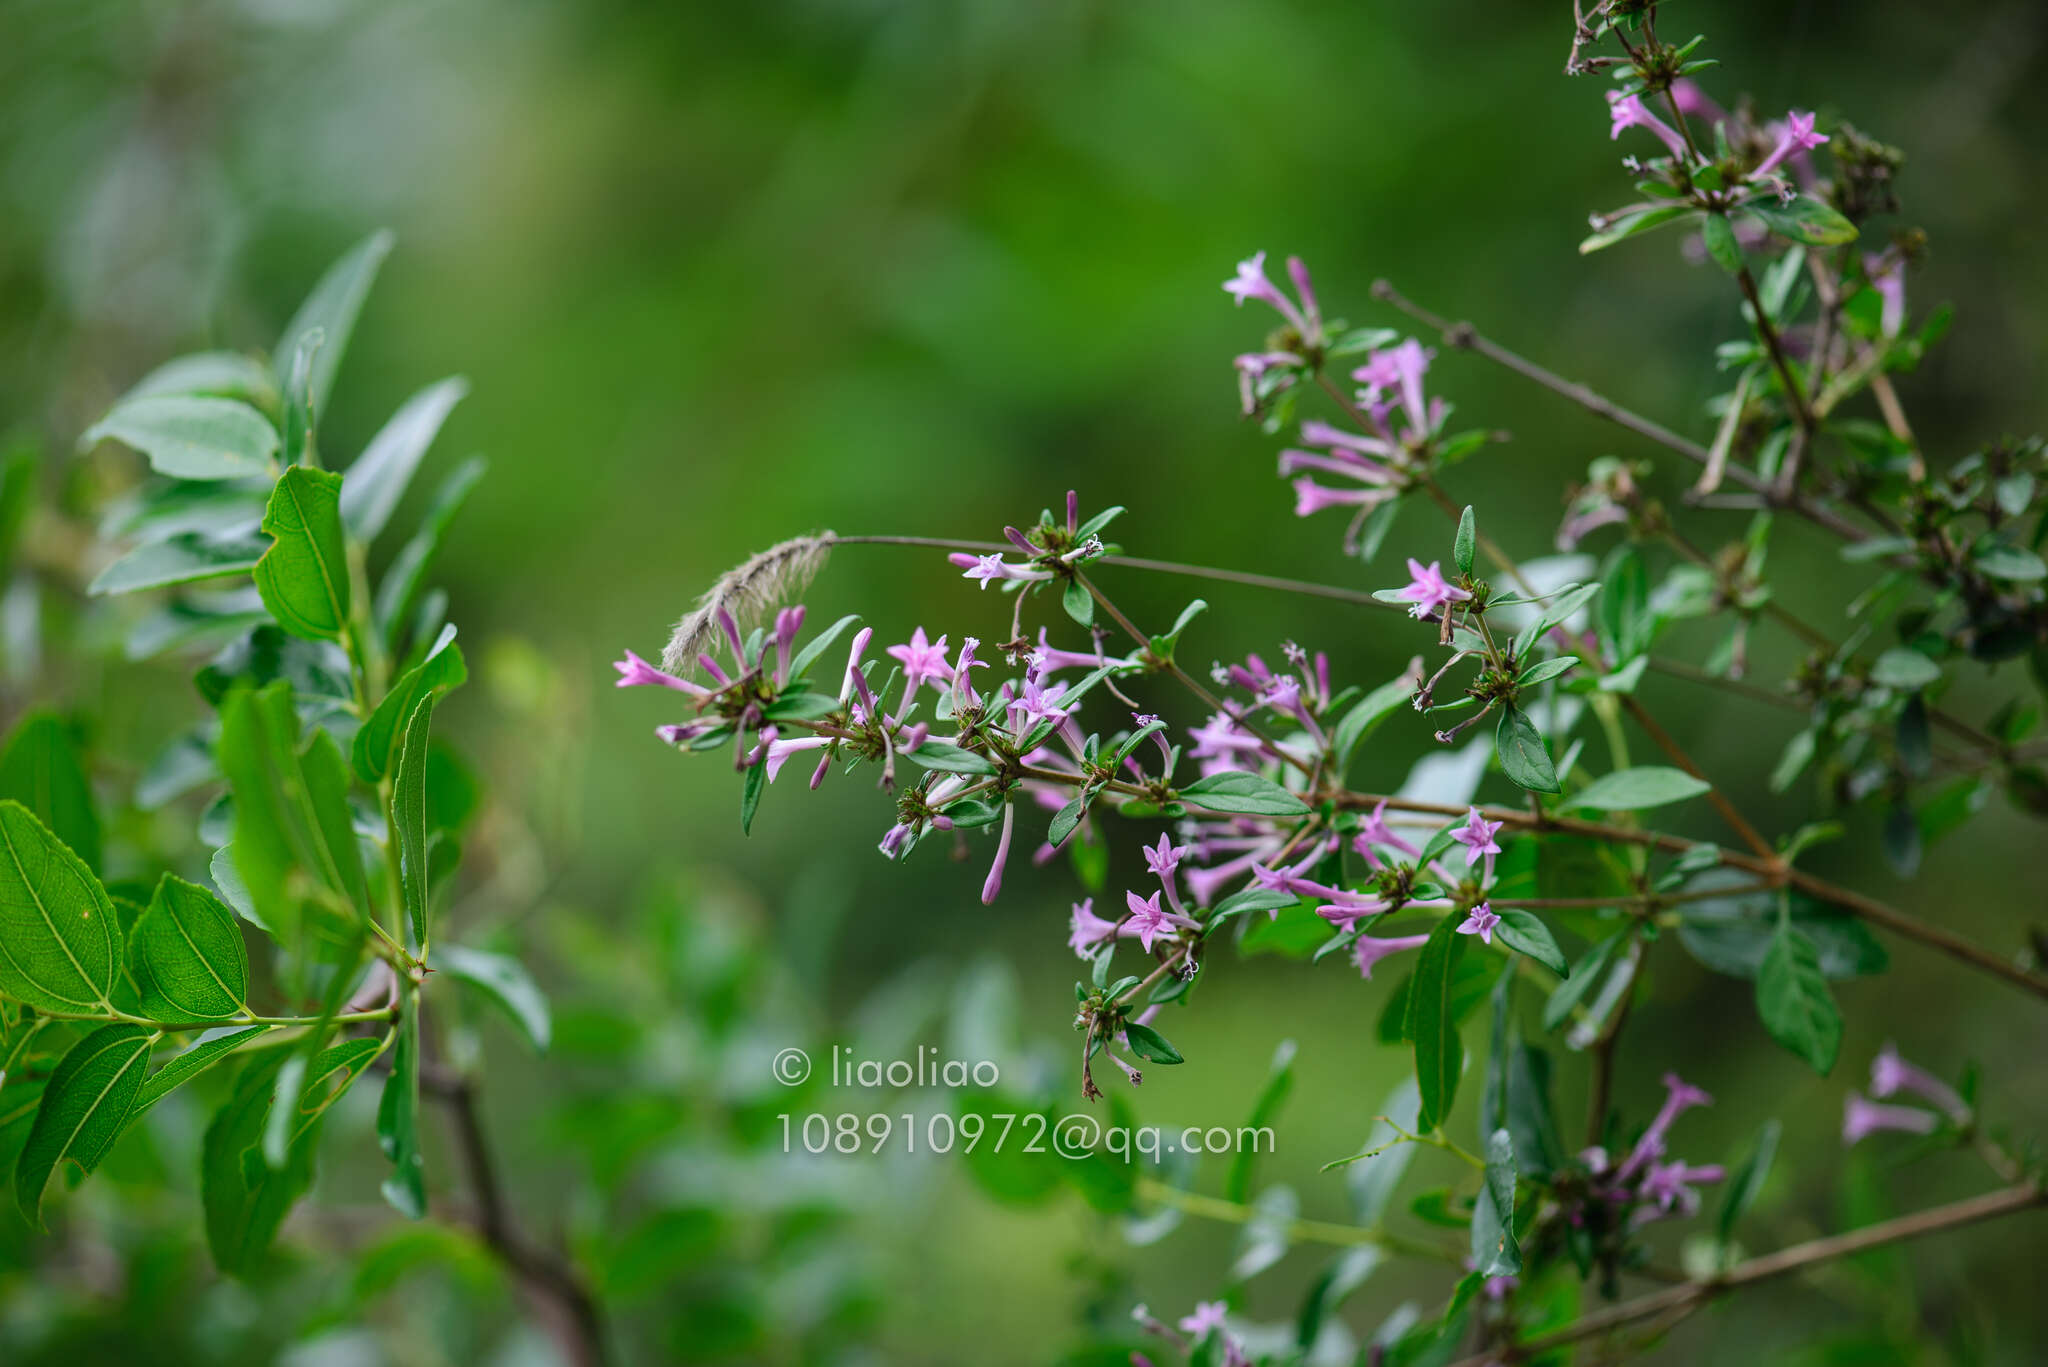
x: 939, y: 754
x: 1721, y: 243
x: 1149, y: 1044
x: 1522, y: 756
x: 376, y: 742
x: 398, y: 1124
x: 1078, y: 602
x: 194, y: 1061
x: 1523, y: 931
x: 245, y: 1199
x: 504, y: 981
x: 192, y: 438
x: 188, y: 956
x: 1805, y: 220
x: 1494, y: 1250
x: 1793, y: 1000
x: 409, y: 813
x: 84, y: 1109
x: 60, y: 944
x: 1733, y: 934
x: 1633, y: 224
x: 1439, y: 1053
x: 1904, y: 669
x: 303, y: 577
x: 1633, y: 790
x: 1747, y: 1183
x: 1367, y: 714
x: 1244, y: 793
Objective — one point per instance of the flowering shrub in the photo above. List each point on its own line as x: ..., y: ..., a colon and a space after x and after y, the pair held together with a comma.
x: 1267, y: 823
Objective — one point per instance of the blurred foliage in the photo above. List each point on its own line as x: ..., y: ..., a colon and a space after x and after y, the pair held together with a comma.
x: 719, y: 274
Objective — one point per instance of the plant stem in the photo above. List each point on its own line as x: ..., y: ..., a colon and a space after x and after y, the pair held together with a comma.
x: 1991, y: 1205
x: 1301, y: 1231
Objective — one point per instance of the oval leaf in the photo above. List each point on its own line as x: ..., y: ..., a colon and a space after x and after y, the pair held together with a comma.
x: 60, y: 944
x: 303, y: 577
x: 188, y: 955
x: 1632, y: 790
x: 192, y: 438
x: 84, y: 1108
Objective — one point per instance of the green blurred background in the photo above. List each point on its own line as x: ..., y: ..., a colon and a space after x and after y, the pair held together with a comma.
x: 721, y: 274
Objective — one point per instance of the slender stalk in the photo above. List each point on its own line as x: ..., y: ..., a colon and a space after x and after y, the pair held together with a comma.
x: 1300, y: 1231
x: 1990, y: 1206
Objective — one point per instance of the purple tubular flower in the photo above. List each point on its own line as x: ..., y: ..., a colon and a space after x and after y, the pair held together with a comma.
x: 779, y: 751
x: 1162, y: 859
x: 1399, y: 372
x: 1477, y: 836
x: 1374, y: 830
x: 1428, y: 590
x: 1311, y: 498
x: 1087, y: 931
x: 1250, y: 282
x: 1861, y: 1118
x: 989, y: 568
x: 635, y: 672
x: 788, y: 623
x: 1680, y: 1096
x: 1890, y: 1075
x: 1795, y: 136
x: 922, y: 660
x: 1151, y: 921
x: 963, y: 682
x: 1668, y: 1185
x: 1694, y: 102
x: 1628, y: 111
x: 993, y: 884
x: 1305, y: 290
x: 1370, y: 949
x: 1481, y: 923
x: 1207, y: 1316
x: 680, y: 732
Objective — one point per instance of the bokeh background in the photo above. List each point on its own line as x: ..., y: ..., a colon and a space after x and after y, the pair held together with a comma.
x: 720, y: 274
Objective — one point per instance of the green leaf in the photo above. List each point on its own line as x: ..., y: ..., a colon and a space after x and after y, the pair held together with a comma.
x: 398, y: 1124
x: 211, y: 1049
x: 2011, y: 562
x: 60, y: 943
x: 41, y: 771
x: 1793, y: 1001
x: 409, y: 814
x: 1568, y: 993
x: 946, y: 756
x: 1543, y: 671
x: 192, y: 438
x: 376, y: 742
x: 1494, y: 1250
x: 1748, y: 1181
x: 504, y: 981
x: 1903, y: 669
x: 1078, y: 602
x: 1733, y: 934
x: 244, y: 1198
x: 186, y: 559
x: 1633, y: 224
x: 1467, y: 538
x: 1560, y: 610
x: 188, y: 956
x: 303, y: 577
x: 1719, y: 235
x: 1345, y: 1274
x: 1523, y: 931
x: 1805, y: 220
x: 400, y: 587
x: 379, y: 476
x: 1522, y: 756
x: 84, y: 1109
x: 1243, y: 793
x: 1439, y: 1053
x: 1150, y: 1045
x: 1368, y: 713
x: 331, y: 310
x: 1237, y: 1184
x: 1632, y: 790
x: 222, y: 374
x: 291, y: 808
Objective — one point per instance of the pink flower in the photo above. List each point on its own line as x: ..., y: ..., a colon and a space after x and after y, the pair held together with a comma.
x: 989, y: 568
x: 1890, y: 1075
x: 1481, y: 923
x: 1428, y: 590
x: 1628, y: 111
x: 1151, y: 921
x: 1666, y: 1184
x: 1694, y: 102
x: 921, y: 660
x: 1163, y: 858
x: 1796, y: 135
x: 1250, y: 282
x: 1861, y: 1118
x: 635, y: 672
x: 1087, y: 931
x: 1370, y: 949
x: 1207, y: 1315
x: 779, y: 751
x: 1477, y: 836
x: 1311, y: 498
x: 1398, y: 371
x: 993, y: 884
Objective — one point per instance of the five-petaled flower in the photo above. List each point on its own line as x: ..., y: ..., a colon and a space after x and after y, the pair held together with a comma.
x: 1794, y: 136
x: 1207, y: 1315
x: 1428, y: 590
x: 1151, y: 921
x: 1481, y: 923
x: 1629, y: 111
x: 1477, y: 836
x: 921, y: 660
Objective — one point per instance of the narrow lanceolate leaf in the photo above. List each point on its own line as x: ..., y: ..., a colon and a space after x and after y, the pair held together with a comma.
x: 1633, y: 790
x: 376, y: 742
x: 60, y: 944
x: 84, y: 1108
x: 1439, y: 1054
x: 184, y: 559
x: 1522, y: 756
x: 504, y: 981
x: 331, y: 310
x: 400, y: 586
x: 1494, y: 1249
x: 1467, y: 539
x: 303, y: 577
x: 409, y: 814
x: 398, y: 1125
x: 41, y: 771
x: 1793, y: 1000
x: 1524, y: 932
x: 188, y: 956
x: 211, y: 1049
x: 188, y: 437
x: 378, y: 478
x: 245, y: 1199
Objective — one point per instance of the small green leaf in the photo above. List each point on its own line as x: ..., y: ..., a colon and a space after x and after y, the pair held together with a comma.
x: 1719, y: 235
x: 1079, y: 603
x: 211, y: 1049
x: 379, y: 476
x: 61, y: 939
x: 192, y: 438
x: 1522, y: 756
x: 2015, y: 563
x: 946, y: 756
x: 1467, y: 539
x: 1494, y: 1250
x: 376, y: 743
x: 1439, y: 1053
x: 1522, y: 931
x: 84, y: 1108
x: 41, y: 771
x: 1149, y: 1044
x: 1632, y: 790
x: 331, y: 310
x: 188, y: 956
x: 1805, y: 220
x: 504, y: 981
x: 1633, y: 224
x: 409, y: 814
x: 1903, y: 669
x: 1247, y: 794
x: 184, y: 559
x: 1793, y: 1001
x: 398, y: 1124
x: 1748, y: 1181
x: 303, y: 577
